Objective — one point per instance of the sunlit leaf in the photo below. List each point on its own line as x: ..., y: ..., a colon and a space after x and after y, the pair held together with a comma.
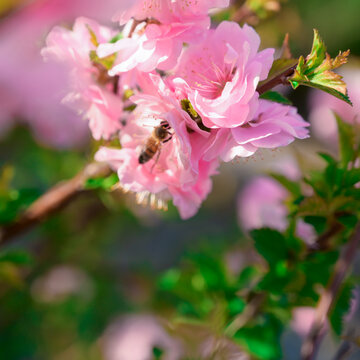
x: 317, y: 70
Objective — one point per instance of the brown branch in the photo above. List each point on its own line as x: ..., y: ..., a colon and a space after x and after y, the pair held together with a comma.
x: 280, y: 79
x: 328, y: 298
x: 52, y: 201
x: 251, y: 310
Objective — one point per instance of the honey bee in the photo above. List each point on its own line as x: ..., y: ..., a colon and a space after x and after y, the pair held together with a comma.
x: 159, y: 136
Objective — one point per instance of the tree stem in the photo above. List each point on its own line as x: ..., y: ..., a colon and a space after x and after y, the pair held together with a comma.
x: 52, y: 201
x: 312, y: 342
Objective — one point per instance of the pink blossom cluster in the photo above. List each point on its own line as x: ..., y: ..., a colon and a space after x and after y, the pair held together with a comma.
x: 180, y: 96
x: 30, y: 89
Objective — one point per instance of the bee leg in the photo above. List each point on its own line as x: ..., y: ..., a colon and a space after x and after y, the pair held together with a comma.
x: 169, y: 138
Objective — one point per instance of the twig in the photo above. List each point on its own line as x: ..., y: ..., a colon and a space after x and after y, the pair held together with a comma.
x: 280, y: 79
x: 328, y: 298
x: 52, y: 201
x: 344, y: 350
x: 249, y: 313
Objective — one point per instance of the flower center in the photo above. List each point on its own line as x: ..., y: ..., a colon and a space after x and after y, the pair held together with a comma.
x: 212, y: 84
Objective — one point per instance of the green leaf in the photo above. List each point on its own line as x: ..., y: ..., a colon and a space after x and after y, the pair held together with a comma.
x: 346, y: 141
x: 262, y: 340
x: 116, y: 38
x: 15, y: 202
x: 349, y: 220
x: 313, y: 206
x: 328, y: 158
x: 188, y: 107
x: 278, y: 67
x: 107, y: 62
x: 157, y: 353
x: 318, y: 222
x: 16, y: 257
x: 236, y: 306
x: 169, y: 280
x: 292, y: 186
x: 270, y: 244
x: 106, y: 183
x: 318, y: 267
x: 341, y: 308
x: 275, y: 97
x: 316, y: 70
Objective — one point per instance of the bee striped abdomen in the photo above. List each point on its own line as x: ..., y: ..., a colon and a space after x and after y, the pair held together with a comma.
x: 148, y: 151
x: 159, y: 136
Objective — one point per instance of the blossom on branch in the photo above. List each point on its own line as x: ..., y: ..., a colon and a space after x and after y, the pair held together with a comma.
x: 180, y: 96
x: 91, y: 92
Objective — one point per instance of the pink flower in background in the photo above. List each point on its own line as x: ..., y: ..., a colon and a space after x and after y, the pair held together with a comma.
x: 221, y: 74
x: 135, y: 337
x: 303, y: 318
x: 322, y: 119
x: 261, y: 203
x: 35, y: 96
x: 96, y: 103
x: 155, y: 37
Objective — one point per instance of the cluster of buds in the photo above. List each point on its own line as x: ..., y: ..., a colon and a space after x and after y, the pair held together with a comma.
x: 180, y: 96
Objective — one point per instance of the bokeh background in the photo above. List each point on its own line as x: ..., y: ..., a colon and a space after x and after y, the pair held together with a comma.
x: 96, y: 280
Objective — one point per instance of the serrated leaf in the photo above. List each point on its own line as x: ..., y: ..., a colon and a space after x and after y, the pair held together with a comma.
x: 275, y: 97
x: 341, y: 308
x: 270, y: 244
x: 316, y: 70
x: 346, y: 141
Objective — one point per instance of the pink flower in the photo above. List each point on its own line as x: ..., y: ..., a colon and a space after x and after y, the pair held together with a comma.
x: 323, y: 122
x: 169, y: 11
x: 303, y: 319
x: 155, y: 37
x: 90, y: 93
x: 174, y: 169
x: 273, y: 125
x: 134, y: 337
x: 221, y: 74
x: 261, y: 204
